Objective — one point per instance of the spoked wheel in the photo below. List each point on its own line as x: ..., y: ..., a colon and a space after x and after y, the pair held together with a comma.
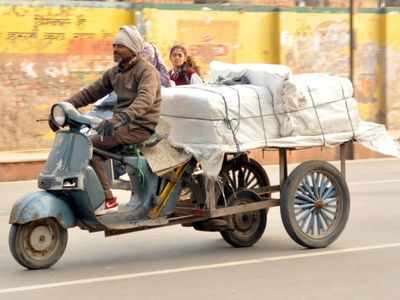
x: 315, y: 204
x: 237, y: 176
x: 247, y: 228
x: 38, y: 244
x: 243, y: 173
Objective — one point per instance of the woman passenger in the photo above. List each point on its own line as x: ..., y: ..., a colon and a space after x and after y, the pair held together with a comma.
x: 184, y: 69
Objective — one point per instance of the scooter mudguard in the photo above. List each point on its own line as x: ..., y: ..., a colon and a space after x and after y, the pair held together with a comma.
x: 41, y: 205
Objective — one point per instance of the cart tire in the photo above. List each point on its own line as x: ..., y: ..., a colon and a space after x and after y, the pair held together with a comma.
x: 315, y: 204
x: 38, y: 244
x: 247, y: 228
x: 243, y: 173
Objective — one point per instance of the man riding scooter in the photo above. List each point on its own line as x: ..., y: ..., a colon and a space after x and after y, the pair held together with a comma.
x: 103, y: 107
x: 135, y: 116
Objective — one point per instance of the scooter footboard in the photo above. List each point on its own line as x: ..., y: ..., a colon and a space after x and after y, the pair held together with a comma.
x: 42, y: 205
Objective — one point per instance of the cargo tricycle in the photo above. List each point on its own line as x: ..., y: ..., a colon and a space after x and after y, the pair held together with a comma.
x: 314, y: 198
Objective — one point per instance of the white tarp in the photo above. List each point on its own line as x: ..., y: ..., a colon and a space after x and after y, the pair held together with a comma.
x: 209, y: 121
x: 280, y: 111
x: 316, y: 104
x: 266, y: 75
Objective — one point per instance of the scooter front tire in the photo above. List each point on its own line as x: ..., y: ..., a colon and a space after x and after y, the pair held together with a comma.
x: 38, y: 244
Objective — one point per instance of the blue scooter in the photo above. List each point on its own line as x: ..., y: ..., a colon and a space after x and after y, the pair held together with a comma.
x: 235, y: 204
x: 72, y: 192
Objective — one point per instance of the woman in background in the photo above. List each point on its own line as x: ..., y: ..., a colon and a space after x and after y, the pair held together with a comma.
x: 152, y: 55
x: 184, y: 69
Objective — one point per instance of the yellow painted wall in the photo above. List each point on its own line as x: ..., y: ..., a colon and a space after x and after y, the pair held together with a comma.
x: 215, y: 35
x: 314, y: 42
x: 370, y: 66
x: 392, y: 82
x: 49, y: 52
x: 319, y: 42
x: 46, y: 55
x: 305, y: 41
x: 33, y: 29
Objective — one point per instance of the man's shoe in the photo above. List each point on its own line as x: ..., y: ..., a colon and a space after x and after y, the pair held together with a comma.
x: 110, y: 205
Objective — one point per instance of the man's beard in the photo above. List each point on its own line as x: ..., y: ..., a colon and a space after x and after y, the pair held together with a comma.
x: 117, y: 58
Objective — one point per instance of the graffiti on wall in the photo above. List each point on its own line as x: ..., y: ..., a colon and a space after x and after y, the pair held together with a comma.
x: 325, y: 48
x: 46, y: 55
x: 320, y: 49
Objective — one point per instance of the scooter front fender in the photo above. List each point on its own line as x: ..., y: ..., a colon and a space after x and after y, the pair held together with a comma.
x: 42, y: 205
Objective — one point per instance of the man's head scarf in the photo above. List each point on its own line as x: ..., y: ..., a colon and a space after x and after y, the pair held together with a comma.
x: 130, y: 37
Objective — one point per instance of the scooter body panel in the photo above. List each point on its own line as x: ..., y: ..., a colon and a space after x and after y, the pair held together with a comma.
x: 67, y: 171
x: 67, y: 162
x: 42, y: 205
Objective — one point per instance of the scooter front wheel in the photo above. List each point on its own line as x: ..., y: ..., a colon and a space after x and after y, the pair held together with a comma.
x: 38, y: 244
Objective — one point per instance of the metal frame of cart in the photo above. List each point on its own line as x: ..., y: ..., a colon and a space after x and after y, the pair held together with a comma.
x: 314, y: 202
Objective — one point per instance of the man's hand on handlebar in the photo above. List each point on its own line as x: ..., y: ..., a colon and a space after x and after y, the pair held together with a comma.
x: 105, y: 128
x: 123, y: 118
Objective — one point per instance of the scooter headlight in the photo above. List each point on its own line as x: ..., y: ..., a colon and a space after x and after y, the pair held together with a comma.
x: 58, y: 115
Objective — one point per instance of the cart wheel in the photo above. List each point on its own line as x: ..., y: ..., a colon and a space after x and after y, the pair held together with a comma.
x: 243, y: 173
x: 315, y: 204
x: 248, y: 227
x: 38, y: 244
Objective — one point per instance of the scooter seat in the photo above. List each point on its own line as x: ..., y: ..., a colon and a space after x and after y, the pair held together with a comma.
x: 161, y: 132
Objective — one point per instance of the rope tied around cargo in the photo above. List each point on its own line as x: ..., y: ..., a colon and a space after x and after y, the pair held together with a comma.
x: 316, y: 114
x: 260, y: 108
x: 348, y: 111
x: 228, y: 121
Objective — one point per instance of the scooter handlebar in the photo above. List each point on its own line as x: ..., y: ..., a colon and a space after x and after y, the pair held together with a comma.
x: 73, y: 116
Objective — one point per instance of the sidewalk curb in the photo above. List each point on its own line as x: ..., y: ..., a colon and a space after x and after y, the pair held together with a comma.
x: 26, y: 165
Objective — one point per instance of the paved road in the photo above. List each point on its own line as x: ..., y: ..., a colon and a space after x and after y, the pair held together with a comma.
x: 179, y: 263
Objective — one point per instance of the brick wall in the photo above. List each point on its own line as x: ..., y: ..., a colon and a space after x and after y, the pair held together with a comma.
x: 357, y: 3
x: 48, y: 53
x: 29, y: 84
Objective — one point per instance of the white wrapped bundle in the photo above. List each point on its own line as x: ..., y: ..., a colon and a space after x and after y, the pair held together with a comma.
x: 309, y: 110
x: 266, y: 75
x: 223, y: 116
x: 208, y: 121
x: 316, y: 104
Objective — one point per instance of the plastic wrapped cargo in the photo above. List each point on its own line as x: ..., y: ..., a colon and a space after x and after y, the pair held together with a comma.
x: 277, y: 110
x: 316, y: 104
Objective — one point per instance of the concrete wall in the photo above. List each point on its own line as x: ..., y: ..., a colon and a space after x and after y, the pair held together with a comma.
x: 49, y: 50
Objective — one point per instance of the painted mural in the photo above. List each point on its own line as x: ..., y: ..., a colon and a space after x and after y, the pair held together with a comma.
x: 316, y: 45
x: 320, y: 43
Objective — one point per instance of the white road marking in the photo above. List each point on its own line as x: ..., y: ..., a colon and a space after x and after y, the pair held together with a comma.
x: 195, y: 268
x: 374, y: 182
